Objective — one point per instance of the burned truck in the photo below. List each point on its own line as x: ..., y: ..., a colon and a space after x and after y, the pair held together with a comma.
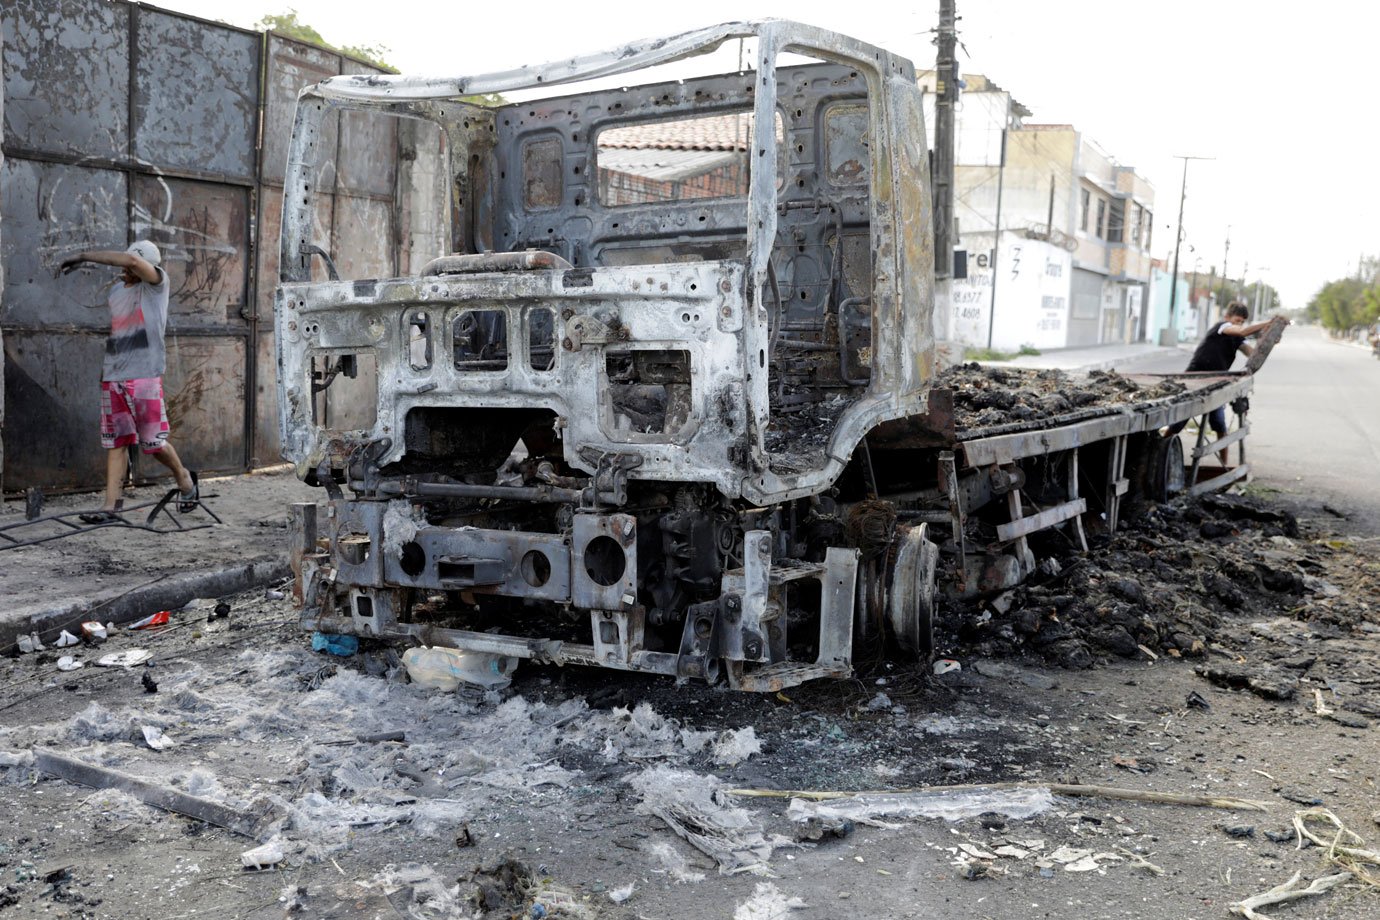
x: 670, y: 407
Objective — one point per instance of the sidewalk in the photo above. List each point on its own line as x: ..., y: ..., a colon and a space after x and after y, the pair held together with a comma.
x: 1088, y: 358
x: 120, y: 574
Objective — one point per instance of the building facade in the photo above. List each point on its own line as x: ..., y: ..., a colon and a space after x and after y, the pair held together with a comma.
x: 1057, y: 233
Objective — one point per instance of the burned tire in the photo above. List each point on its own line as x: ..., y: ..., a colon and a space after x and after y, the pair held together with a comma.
x: 910, y: 600
x: 1162, y: 474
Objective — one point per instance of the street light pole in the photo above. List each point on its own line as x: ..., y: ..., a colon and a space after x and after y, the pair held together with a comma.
x: 1260, y: 291
x: 1193, y: 285
x: 1226, y: 279
x: 1170, y: 335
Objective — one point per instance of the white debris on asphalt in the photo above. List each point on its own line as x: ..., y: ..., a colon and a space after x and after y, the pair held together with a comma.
x: 734, y: 746
x: 129, y: 658
x: 263, y: 857
x: 688, y: 804
x: 154, y: 737
x: 767, y: 903
x: 673, y: 864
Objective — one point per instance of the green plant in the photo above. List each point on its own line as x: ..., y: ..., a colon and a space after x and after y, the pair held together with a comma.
x: 987, y: 354
x: 1028, y: 350
x: 289, y: 25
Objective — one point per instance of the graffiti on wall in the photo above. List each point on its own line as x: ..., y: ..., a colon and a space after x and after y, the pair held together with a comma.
x: 1030, y: 303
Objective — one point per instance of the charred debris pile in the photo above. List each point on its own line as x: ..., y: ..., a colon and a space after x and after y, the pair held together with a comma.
x: 1178, y: 581
x: 985, y: 397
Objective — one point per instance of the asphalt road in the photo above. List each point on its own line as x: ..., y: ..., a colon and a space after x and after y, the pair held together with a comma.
x: 1315, y: 423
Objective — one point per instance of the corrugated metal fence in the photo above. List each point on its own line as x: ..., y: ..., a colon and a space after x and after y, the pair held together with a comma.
x: 122, y: 121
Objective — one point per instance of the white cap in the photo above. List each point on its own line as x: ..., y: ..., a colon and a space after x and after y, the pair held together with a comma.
x: 146, y: 251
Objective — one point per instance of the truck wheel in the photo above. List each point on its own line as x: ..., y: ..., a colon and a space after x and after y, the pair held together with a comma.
x: 1164, y: 469
x: 910, y: 596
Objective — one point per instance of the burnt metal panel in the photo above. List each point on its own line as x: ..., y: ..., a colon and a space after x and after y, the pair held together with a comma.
x: 552, y: 203
x: 291, y: 66
x: 2, y: 287
x: 271, y: 218
x: 202, y: 229
x: 424, y: 230
x: 53, y: 211
x: 66, y: 67
x: 1266, y: 343
x: 368, y: 154
x: 195, y: 95
x: 205, y: 396
x: 363, y: 237
x: 266, y: 449
x: 52, y: 384
x: 106, y: 143
x: 266, y: 257
x: 53, y: 410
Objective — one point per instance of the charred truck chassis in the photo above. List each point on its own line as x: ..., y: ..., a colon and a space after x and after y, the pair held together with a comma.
x: 689, y: 433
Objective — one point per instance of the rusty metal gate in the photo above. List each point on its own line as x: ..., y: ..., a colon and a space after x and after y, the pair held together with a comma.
x: 122, y: 121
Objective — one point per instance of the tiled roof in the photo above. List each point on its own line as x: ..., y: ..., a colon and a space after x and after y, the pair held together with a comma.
x: 713, y: 132
x: 664, y: 164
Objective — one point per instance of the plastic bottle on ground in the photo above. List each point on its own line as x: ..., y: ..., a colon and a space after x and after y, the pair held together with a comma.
x: 443, y: 668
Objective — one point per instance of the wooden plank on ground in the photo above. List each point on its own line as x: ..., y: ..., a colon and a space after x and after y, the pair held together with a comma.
x: 1047, y: 518
x: 157, y: 794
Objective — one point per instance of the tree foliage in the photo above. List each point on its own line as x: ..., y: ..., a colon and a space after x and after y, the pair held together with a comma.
x: 289, y: 25
x: 1227, y: 290
x: 1349, y: 303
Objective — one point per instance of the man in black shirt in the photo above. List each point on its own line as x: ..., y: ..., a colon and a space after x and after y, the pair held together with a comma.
x: 1215, y: 354
x: 1218, y: 349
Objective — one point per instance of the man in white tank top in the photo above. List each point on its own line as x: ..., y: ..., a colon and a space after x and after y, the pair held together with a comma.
x: 132, y: 407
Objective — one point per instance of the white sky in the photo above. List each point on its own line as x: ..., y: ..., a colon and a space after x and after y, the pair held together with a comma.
x: 1281, y: 96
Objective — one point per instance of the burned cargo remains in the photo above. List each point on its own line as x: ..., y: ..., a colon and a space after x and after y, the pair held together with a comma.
x: 664, y: 402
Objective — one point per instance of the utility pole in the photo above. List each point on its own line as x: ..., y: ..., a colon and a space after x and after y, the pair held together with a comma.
x: 996, y: 236
x: 1240, y: 289
x: 1049, y: 218
x: 1226, y: 253
x: 946, y: 72
x: 1170, y: 335
x: 1205, y: 317
x: 1260, y: 292
x: 1193, y: 285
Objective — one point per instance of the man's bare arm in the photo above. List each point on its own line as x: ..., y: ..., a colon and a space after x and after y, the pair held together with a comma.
x: 1242, y: 330
x: 146, y: 271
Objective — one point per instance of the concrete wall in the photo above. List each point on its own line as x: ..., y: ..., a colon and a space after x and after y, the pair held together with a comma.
x: 1034, y: 157
x: 1031, y: 279
x: 181, y: 140
x: 1188, y: 317
x: 1037, y: 301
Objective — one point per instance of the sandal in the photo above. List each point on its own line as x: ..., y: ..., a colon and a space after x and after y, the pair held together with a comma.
x: 189, y: 501
x: 104, y: 517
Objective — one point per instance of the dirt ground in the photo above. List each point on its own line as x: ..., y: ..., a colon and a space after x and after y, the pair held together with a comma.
x: 1259, y: 679
x: 116, y: 559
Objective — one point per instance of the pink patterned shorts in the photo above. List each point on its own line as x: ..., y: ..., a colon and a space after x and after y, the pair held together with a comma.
x: 132, y: 411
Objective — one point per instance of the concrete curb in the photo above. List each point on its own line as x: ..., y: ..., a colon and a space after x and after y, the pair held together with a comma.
x: 1163, y: 351
x: 122, y: 606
